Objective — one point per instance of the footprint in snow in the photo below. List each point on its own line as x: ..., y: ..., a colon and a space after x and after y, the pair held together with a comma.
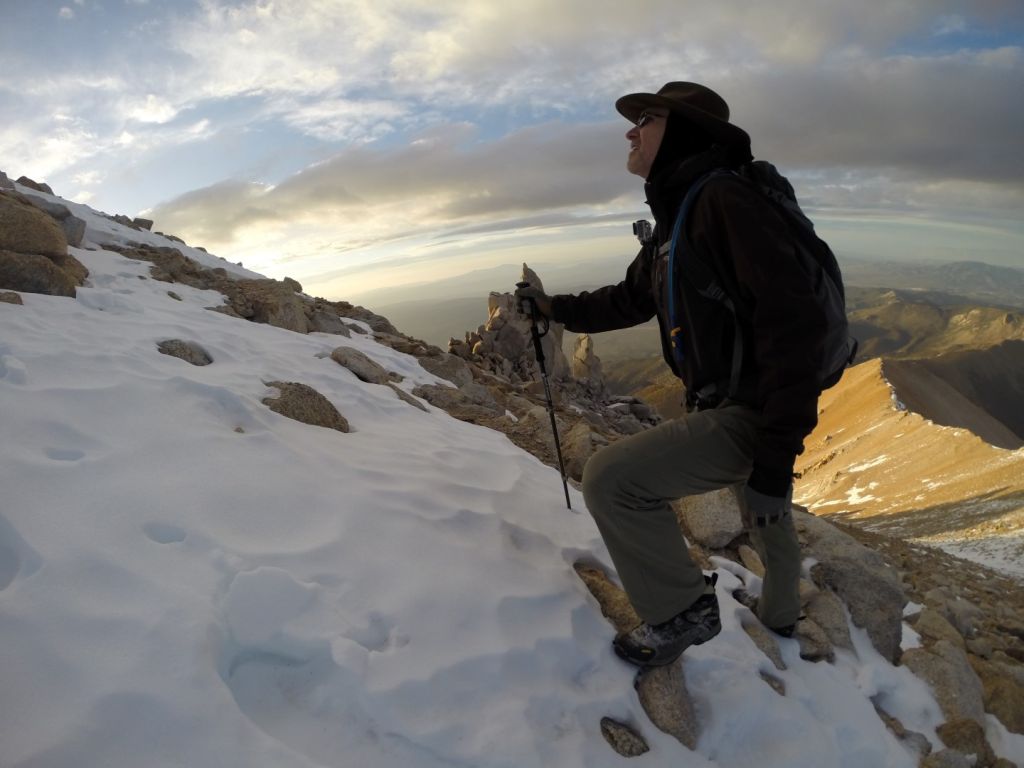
x: 12, y: 370
x: 17, y: 558
x: 379, y: 634
x: 280, y: 658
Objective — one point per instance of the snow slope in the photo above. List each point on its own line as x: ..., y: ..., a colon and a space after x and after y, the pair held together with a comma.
x: 189, y: 579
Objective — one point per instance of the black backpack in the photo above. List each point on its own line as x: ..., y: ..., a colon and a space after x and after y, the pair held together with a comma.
x: 817, y: 257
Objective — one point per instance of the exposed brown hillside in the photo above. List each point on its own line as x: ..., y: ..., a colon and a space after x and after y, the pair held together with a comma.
x: 897, y: 323
x: 649, y: 379
x: 981, y: 390
x: 926, y: 391
x: 991, y: 378
x: 873, y: 462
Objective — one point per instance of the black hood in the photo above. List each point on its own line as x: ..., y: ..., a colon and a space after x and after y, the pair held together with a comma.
x: 682, y: 139
x: 686, y: 153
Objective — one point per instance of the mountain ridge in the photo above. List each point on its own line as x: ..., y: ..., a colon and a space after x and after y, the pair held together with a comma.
x: 946, y: 486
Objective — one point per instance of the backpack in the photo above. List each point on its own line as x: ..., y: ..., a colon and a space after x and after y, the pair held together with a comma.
x: 817, y: 258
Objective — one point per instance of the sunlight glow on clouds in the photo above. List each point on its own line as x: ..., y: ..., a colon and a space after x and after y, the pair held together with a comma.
x: 344, y: 120
x: 310, y: 124
x: 153, y: 110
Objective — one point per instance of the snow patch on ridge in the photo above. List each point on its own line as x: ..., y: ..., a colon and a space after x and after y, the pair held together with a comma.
x: 869, y: 464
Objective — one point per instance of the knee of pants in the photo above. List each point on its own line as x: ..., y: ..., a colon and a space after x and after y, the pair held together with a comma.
x: 602, y: 480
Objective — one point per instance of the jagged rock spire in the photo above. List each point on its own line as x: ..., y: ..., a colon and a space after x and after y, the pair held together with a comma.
x: 503, y: 344
x: 586, y: 365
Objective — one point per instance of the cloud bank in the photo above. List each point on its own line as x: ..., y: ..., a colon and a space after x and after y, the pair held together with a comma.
x: 311, y: 123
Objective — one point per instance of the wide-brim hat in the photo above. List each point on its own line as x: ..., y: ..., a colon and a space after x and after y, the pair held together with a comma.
x: 696, y: 103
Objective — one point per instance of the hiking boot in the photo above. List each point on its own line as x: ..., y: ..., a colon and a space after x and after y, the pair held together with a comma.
x: 748, y: 600
x: 744, y: 598
x: 655, y: 645
x: 786, y: 631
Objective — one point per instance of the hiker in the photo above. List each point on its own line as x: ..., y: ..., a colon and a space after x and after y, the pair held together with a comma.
x: 747, y: 417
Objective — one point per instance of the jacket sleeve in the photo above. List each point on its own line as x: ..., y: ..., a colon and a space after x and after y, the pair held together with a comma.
x: 628, y: 303
x: 788, y: 324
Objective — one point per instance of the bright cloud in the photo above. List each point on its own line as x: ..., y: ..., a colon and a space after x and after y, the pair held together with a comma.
x: 423, y: 118
x: 153, y: 110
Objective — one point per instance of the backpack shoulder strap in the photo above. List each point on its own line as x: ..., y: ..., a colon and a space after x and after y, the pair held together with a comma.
x: 698, y: 273
x: 705, y: 282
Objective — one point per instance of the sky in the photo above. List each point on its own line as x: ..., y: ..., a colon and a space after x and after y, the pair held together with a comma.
x: 355, y: 144
x: 190, y: 579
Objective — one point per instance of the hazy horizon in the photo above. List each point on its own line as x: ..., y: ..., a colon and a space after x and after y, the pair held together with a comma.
x: 556, y: 276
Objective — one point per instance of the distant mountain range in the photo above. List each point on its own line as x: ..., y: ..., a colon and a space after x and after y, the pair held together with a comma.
x: 911, y: 323
x: 973, y: 280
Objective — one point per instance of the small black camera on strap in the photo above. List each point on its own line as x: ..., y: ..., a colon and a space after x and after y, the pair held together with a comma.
x: 643, y: 231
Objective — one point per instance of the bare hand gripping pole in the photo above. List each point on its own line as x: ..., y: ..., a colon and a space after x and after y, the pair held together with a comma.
x: 538, y: 349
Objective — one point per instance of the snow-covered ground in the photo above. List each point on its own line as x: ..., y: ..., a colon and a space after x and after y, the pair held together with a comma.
x: 189, y: 579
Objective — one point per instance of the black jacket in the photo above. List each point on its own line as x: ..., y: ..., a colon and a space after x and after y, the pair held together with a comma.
x: 734, y: 228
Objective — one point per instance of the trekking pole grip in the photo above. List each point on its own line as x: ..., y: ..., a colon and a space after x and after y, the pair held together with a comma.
x: 534, y: 331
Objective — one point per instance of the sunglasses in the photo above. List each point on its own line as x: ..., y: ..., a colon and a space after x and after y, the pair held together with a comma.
x: 645, y: 118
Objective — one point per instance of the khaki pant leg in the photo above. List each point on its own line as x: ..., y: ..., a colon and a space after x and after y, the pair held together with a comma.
x: 779, y: 549
x: 628, y: 487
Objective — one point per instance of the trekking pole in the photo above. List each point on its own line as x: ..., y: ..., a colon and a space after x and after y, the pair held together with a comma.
x: 538, y: 349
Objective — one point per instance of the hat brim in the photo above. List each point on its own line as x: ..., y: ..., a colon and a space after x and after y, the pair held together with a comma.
x: 631, y: 105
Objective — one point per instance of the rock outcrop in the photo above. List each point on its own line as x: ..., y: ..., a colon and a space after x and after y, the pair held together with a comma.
x: 968, y: 738
x: 73, y: 227
x: 665, y: 699
x: 586, y: 365
x: 189, y: 351
x: 303, y: 403
x: 622, y: 738
x: 24, y: 228
x: 498, y: 384
x: 504, y: 344
x: 944, y: 666
x: 25, y: 181
x: 713, y: 519
x: 871, y: 589
x: 975, y: 668
x: 280, y: 303
x: 34, y: 254
x: 363, y: 367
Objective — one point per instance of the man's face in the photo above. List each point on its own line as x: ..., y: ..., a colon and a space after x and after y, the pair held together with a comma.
x: 644, y: 140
